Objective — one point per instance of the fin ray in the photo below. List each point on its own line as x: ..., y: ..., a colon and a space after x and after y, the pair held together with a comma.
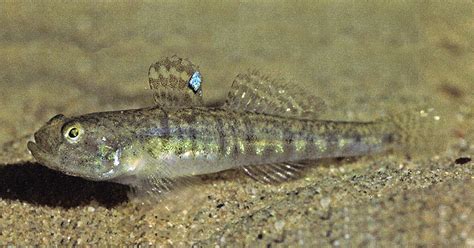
x: 154, y: 180
x: 176, y: 82
x: 254, y: 92
x: 274, y: 173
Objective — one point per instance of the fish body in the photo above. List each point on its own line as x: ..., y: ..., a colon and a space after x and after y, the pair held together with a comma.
x: 206, y: 140
x: 260, y: 130
x: 196, y: 141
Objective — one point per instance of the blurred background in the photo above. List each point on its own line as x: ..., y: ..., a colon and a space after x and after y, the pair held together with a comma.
x: 82, y: 56
x: 362, y: 58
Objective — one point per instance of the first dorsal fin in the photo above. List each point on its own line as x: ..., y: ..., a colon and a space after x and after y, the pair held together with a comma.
x: 254, y: 92
x: 176, y: 82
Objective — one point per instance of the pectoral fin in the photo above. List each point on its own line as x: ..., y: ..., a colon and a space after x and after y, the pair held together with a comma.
x: 150, y: 178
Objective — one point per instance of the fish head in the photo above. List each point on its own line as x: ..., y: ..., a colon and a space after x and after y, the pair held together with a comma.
x: 81, y: 146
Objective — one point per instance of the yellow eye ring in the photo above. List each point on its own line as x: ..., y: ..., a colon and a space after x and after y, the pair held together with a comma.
x: 73, y: 133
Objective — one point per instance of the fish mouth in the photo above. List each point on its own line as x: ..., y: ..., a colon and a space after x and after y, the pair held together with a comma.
x: 45, y: 158
x: 49, y: 161
x: 43, y: 141
x: 40, y: 155
x: 34, y: 149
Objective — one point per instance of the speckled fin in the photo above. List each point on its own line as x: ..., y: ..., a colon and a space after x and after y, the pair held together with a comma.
x: 173, y: 81
x: 274, y: 173
x: 257, y: 93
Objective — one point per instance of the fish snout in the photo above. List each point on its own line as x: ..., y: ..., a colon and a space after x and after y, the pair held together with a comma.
x: 48, y: 137
x: 41, y: 140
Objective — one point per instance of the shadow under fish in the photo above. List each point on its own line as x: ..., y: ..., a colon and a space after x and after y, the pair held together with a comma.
x: 36, y: 184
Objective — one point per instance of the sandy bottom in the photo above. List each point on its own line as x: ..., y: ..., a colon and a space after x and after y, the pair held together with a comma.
x: 362, y: 58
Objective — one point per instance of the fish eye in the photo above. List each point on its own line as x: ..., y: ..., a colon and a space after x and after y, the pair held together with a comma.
x: 73, y: 133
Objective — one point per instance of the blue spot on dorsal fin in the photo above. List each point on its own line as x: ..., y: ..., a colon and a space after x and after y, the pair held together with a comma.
x: 195, y: 82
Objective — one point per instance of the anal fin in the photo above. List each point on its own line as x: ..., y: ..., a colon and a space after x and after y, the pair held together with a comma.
x: 274, y: 173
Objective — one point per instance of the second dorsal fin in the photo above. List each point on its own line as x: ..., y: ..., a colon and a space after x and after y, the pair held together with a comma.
x: 254, y: 92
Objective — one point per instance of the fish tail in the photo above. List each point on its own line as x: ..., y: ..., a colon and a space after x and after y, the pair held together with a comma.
x: 419, y: 131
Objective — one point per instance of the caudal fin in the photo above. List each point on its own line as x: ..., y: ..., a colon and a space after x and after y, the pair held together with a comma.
x: 420, y: 131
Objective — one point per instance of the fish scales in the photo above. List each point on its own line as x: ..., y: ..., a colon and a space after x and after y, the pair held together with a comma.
x: 216, y: 139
